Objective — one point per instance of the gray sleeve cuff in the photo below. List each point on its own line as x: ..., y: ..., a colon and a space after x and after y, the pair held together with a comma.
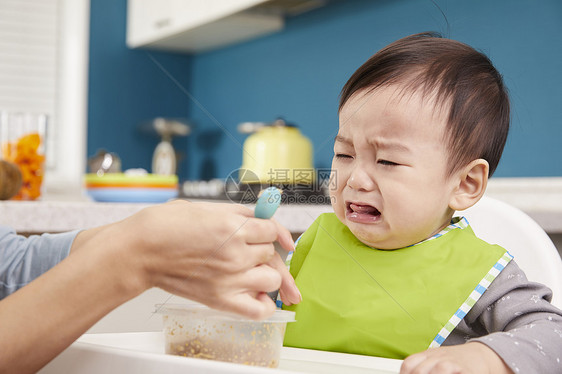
x: 525, y: 330
x: 24, y: 259
x: 534, y: 348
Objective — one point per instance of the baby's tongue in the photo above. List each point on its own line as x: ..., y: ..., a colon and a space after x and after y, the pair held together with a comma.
x: 364, y: 209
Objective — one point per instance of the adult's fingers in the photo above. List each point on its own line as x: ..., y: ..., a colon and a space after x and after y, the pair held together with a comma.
x: 261, y: 231
x: 257, y: 230
x: 284, y: 237
x: 261, y: 278
x: 257, y: 254
x: 250, y: 304
x: 289, y: 292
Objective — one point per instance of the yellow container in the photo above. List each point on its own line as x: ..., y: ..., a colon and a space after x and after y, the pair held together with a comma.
x: 277, y: 154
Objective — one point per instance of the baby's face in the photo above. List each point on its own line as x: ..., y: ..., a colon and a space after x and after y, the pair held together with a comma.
x: 390, y: 169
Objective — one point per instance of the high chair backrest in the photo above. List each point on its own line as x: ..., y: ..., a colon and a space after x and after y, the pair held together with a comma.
x: 499, y: 223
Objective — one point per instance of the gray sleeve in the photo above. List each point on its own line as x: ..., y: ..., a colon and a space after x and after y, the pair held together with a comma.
x: 514, y: 317
x: 23, y: 259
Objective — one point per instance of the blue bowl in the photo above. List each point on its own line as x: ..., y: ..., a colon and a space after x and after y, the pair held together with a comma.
x: 132, y: 195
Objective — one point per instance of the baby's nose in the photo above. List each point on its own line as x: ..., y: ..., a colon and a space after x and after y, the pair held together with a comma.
x: 361, y: 179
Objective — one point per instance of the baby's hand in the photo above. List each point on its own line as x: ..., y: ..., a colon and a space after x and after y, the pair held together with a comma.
x: 468, y: 358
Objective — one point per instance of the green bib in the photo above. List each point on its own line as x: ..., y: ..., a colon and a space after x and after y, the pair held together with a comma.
x: 357, y: 299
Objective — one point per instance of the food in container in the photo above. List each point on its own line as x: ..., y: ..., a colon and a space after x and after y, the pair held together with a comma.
x: 194, y: 330
x: 22, y: 140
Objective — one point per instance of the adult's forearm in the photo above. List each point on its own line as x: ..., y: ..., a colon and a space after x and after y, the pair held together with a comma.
x: 216, y: 254
x: 43, y: 318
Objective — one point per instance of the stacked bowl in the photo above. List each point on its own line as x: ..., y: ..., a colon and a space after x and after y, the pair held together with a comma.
x: 120, y: 187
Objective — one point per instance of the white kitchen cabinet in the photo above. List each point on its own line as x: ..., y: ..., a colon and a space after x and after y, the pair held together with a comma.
x: 196, y: 25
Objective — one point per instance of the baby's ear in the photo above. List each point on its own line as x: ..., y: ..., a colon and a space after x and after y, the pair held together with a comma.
x: 472, y: 181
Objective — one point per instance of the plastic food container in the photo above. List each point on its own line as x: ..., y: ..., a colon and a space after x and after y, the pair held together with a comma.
x: 194, y: 330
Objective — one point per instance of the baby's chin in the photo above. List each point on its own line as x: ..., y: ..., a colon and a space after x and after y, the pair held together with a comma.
x: 387, y: 243
x: 371, y: 240
x: 377, y: 245
x: 367, y: 237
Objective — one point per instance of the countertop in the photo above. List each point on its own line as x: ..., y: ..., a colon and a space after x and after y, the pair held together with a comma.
x: 540, y: 198
x: 59, y: 216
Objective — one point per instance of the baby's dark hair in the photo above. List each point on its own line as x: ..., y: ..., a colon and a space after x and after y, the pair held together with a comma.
x: 463, y: 81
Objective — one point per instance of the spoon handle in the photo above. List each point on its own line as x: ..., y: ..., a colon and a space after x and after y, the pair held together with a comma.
x: 268, y: 202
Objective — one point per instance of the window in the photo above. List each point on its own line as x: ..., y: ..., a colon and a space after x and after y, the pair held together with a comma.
x: 43, y: 69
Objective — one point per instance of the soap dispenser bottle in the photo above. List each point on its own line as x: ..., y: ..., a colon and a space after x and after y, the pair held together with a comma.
x: 164, y: 158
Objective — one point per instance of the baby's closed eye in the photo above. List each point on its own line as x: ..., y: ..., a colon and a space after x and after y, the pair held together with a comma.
x: 387, y: 163
x: 343, y: 155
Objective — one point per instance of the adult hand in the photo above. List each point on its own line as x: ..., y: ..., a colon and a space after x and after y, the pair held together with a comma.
x: 217, y: 254
x: 469, y: 358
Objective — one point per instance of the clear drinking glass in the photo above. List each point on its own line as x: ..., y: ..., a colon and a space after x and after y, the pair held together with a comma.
x: 22, y: 140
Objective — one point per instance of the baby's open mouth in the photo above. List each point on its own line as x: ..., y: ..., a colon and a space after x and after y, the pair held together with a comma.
x: 362, y: 213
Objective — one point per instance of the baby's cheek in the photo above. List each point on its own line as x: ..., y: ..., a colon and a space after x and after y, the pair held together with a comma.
x: 339, y: 207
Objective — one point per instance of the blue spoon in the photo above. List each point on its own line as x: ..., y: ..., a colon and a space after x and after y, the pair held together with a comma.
x: 268, y: 202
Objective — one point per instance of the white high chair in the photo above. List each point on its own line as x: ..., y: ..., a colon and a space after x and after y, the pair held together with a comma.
x: 499, y: 223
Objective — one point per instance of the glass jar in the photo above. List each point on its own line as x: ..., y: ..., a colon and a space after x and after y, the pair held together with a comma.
x: 22, y: 140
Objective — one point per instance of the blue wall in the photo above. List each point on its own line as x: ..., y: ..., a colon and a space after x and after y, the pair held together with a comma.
x: 298, y: 73
x: 127, y: 88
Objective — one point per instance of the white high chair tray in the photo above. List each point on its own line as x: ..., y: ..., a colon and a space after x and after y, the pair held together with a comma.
x: 143, y: 353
